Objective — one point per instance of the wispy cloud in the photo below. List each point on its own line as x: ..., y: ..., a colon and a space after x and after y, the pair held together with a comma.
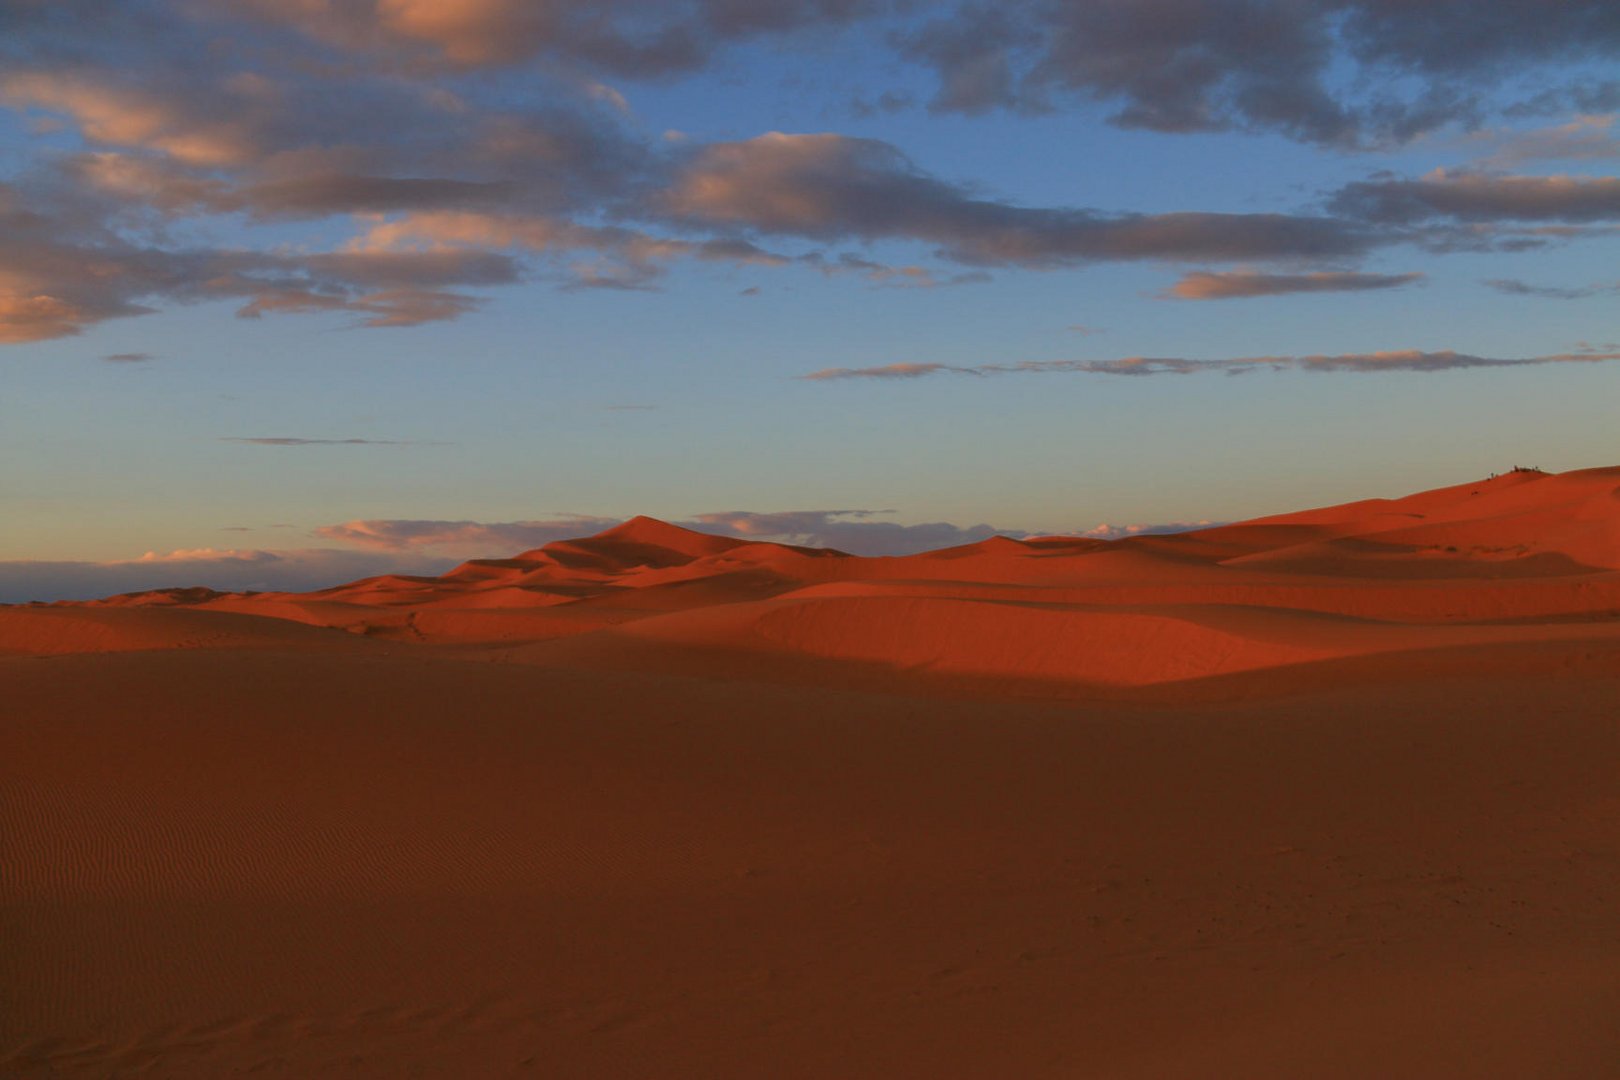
x: 1241, y: 284
x: 1585, y: 138
x: 1106, y: 531
x: 1472, y: 196
x: 470, y: 537
x: 287, y: 440
x: 1514, y: 287
x: 1393, y: 360
x: 886, y: 276
x: 853, y: 531
x: 128, y: 357
x: 393, y: 307
x: 889, y: 371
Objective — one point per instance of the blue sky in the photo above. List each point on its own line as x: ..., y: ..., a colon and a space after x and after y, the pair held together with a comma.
x: 479, y: 279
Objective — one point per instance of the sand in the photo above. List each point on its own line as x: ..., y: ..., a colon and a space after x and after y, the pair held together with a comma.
x: 1332, y: 794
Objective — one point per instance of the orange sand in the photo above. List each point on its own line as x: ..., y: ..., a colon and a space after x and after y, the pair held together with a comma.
x: 1332, y: 794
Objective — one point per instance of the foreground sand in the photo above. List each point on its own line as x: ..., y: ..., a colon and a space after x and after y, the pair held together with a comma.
x: 1272, y: 800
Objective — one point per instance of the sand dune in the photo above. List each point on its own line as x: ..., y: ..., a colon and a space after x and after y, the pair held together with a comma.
x: 1514, y: 549
x: 1327, y: 794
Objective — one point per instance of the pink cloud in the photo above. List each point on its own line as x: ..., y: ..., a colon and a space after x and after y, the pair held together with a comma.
x: 468, y: 537
x: 1237, y: 284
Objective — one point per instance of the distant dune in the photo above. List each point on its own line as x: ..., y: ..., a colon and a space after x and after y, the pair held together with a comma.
x: 1326, y: 794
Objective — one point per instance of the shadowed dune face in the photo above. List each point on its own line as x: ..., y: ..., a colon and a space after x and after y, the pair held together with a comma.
x: 1330, y: 794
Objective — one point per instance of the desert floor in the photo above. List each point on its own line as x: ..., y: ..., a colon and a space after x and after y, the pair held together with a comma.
x: 1328, y: 795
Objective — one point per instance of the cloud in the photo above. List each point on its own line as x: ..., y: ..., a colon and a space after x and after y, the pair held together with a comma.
x: 1235, y: 284
x: 431, y: 547
x: 282, y: 440
x: 1342, y: 72
x: 177, y: 122
x: 128, y: 357
x: 886, y: 276
x: 209, y: 132
x: 1514, y: 287
x: 40, y: 317
x: 65, y: 265
x: 391, y: 307
x: 886, y: 371
x: 846, y: 530
x: 1469, y: 196
x: 610, y: 256
x: 1393, y: 360
x: 853, y: 531
x: 830, y: 187
x: 1585, y: 138
x: 1106, y: 531
x: 472, y: 537
x: 1338, y: 72
x: 296, y: 570
x: 615, y: 36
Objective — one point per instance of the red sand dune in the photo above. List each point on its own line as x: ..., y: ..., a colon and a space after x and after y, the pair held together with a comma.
x: 1324, y: 794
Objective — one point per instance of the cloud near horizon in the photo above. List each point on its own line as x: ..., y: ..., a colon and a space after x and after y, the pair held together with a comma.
x: 431, y: 547
x: 1393, y: 360
x: 294, y: 570
x: 1106, y: 531
x: 475, y: 537
x: 853, y: 531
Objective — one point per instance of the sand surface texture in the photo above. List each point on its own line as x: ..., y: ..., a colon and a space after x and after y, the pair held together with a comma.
x: 1330, y: 794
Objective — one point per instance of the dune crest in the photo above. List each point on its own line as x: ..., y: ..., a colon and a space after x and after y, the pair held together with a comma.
x: 1522, y: 557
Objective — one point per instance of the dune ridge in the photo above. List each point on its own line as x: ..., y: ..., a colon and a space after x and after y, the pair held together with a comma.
x: 1526, y: 549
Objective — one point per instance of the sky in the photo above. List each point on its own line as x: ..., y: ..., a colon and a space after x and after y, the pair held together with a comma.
x: 297, y: 291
